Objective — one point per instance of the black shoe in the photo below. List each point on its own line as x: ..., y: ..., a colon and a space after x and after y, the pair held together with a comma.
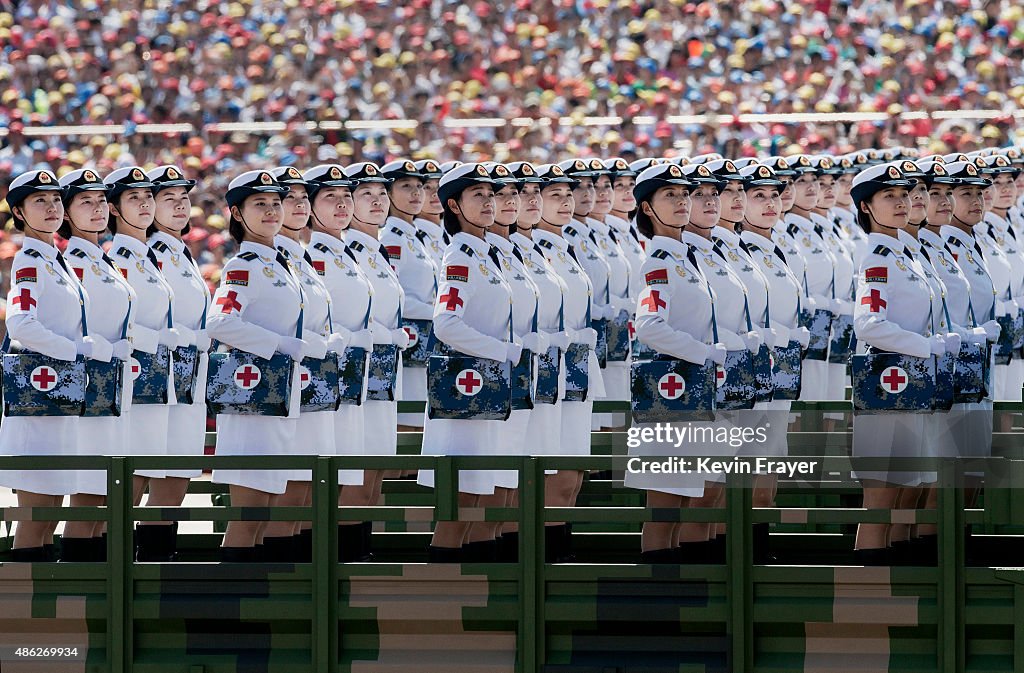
x: 155, y: 544
x: 565, y: 553
x: 928, y: 550
x: 717, y: 550
x: 552, y: 543
x: 508, y: 548
x: 444, y: 554
x: 74, y: 550
x: 660, y: 556
x: 903, y: 553
x: 29, y: 555
x: 873, y: 557
x: 277, y: 549
x: 695, y: 553
x: 237, y: 554
x: 98, y: 549
x: 482, y: 551
x: 52, y: 552
x: 367, y: 547
x: 762, y: 545
x: 350, y: 543
x: 304, y: 546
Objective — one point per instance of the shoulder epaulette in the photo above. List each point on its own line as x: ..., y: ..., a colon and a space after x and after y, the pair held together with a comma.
x: 31, y: 253
x: 78, y: 253
x: 544, y: 243
x: 660, y: 254
x: 881, y: 250
x: 792, y: 229
x: 357, y: 246
x: 396, y: 231
x: 124, y: 252
x: 160, y: 246
x: 570, y: 230
x: 248, y: 256
x: 422, y: 236
x: 467, y: 250
x: 320, y: 247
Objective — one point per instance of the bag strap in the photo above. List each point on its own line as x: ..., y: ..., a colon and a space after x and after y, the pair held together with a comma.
x: 283, y: 261
x: 711, y: 295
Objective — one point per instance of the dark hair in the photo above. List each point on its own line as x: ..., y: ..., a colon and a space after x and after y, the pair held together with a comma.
x: 643, y: 221
x: 451, y: 222
x: 19, y: 224
x: 236, y: 229
x: 863, y: 219
x: 112, y: 219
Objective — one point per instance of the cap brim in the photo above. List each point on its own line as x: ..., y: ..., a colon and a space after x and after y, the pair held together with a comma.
x: 765, y: 182
x: 383, y: 181
x: 332, y: 183
x: 976, y: 182
x: 268, y: 189
x: 188, y: 184
x: 91, y: 187
x: 561, y: 180
x: 942, y: 180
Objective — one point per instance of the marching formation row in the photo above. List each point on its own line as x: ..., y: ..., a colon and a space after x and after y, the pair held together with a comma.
x: 508, y: 297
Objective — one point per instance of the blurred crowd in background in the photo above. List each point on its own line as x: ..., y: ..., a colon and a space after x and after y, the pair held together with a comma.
x: 200, y: 62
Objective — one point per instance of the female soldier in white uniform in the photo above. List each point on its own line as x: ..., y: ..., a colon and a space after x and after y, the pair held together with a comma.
x: 44, y: 315
x: 545, y: 420
x: 331, y: 206
x: 762, y: 213
x: 414, y: 267
x: 590, y: 256
x: 370, y: 209
x: 111, y: 301
x: 623, y: 205
x: 558, y: 205
x: 729, y: 294
x: 893, y: 313
x: 186, y: 423
x: 256, y: 309
x: 132, y: 210
x: 429, y: 228
x: 674, y: 317
x: 472, y: 317
x: 283, y: 541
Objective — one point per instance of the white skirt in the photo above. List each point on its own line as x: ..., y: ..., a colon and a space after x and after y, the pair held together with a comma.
x: 616, y: 385
x: 1002, y: 383
x: 512, y: 442
x: 890, y: 435
x: 836, y: 387
x: 39, y: 436
x: 314, y: 436
x: 107, y: 436
x: 814, y: 380
x: 380, y: 437
x: 186, y: 425
x: 349, y: 440
x: 446, y: 437
x: 147, y: 434
x: 1015, y: 378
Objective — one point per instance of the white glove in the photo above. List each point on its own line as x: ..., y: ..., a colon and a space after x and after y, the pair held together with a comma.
x: 122, y: 349
x: 802, y: 335
x: 952, y: 343
x: 380, y: 334
x: 586, y: 336
x: 95, y: 348
x: 937, y: 344
x: 513, y: 352
x: 170, y: 337
x: 976, y: 335
x: 187, y: 336
x: 809, y: 304
x: 400, y: 338
x: 769, y: 336
x: 316, y: 346
x: 752, y: 340
x: 337, y: 343
x: 362, y: 339
x: 559, y: 340
x: 716, y: 353
x: 992, y: 330
x: 535, y: 342
x: 292, y: 347
x: 203, y: 341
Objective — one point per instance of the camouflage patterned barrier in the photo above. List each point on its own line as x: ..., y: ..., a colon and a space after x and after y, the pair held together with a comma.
x: 577, y: 378
x: 945, y: 376
x: 421, y: 342
x: 619, y: 337
x: 37, y: 385
x: 243, y: 383
x: 601, y: 349
x: 351, y: 375
x: 549, y: 369
x: 521, y: 382
x: 1004, y: 346
x: 893, y: 383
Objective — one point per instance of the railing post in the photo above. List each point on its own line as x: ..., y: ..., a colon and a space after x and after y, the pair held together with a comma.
x: 323, y: 559
x: 531, y: 565
x: 120, y: 556
x: 738, y: 503
x: 951, y: 567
